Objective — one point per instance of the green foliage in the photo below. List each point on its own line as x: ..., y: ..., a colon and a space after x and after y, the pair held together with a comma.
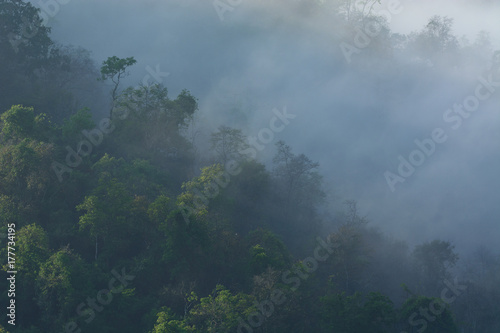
x: 22, y: 26
x: 8, y: 210
x: 151, y: 104
x: 186, y: 246
x: 140, y: 176
x: 298, y: 176
x: 32, y: 249
x: 227, y: 143
x: 427, y: 314
x: 350, y: 256
x: 297, y: 188
x: 199, y: 191
x: 434, y: 260
x: 186, y: 105
x: 168, y: 323
x: 20, y: 122
x: 107, y: 217
x: 61, y: 283
x: 379, y: 311
x: 32, y: 70
x: 149, y: 125
x: 206, y: 181
x: 113, y: 67
x: 159, y: 210
x: 353, y: 314
x: 126, y: 206
x: 221, y: 311
x: 437, y: 36
x: 127, y: 215
x: 266, y: 250
x: 251, y: 184
x: 436, y: 43
x: 25, y: 170
x: 72, y: 128
x: 24, y: 161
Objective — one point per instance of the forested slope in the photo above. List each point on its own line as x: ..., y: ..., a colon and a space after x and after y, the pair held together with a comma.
x: 119, y: 226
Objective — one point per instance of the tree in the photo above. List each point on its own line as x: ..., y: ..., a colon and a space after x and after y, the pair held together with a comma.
x: 22, y: 30
x: 25, y: 154
x: 355, y: 11
x: 353, y: 314
x: 32, y: 66
x: 221, y: 311
x: 434, y: 259
x: 24, y: 42
x: 167, y: 322
x: 349, y: 258
x: 20, y: 122
x: 73, y: 71
x: 32, y: 249
x: 266, y: 251
x: 138, y: 175
x: 351, y: 218
x: 115, y: 68
x: 379, y: 313
x: 36, y: 72
x: 429, y: 314
x: 297, y: 191
x: 107, y: 218
x: 227, y: 143
x: 436, y: 41
x: 24, y: 161
x: 200, y: 191
x: 62, y: 282
x: 150, y: 125
x: 297, y: 177
x: 25, y: 172
x: 72, y: 128
x: 31, y: 252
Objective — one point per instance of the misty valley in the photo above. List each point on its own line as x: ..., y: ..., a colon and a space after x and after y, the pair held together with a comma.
x: 249, y: 166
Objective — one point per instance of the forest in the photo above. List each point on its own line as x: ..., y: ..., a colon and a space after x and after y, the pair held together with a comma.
x: 116, y: 217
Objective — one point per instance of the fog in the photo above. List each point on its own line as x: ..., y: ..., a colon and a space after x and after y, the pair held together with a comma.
x: 355, y: 118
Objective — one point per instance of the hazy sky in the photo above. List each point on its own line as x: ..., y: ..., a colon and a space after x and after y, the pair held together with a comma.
x: 355, y: 119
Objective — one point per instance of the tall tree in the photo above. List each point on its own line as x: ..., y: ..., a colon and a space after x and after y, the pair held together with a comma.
x: 297, y: 176
x: 220, y: 312
x: 434, y: 260
x: 429, y: 314
x: 62, y: 282
x: 115, y: 68
x: 107, y: 218
x: 227, y: 143
x: 150, y: 125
